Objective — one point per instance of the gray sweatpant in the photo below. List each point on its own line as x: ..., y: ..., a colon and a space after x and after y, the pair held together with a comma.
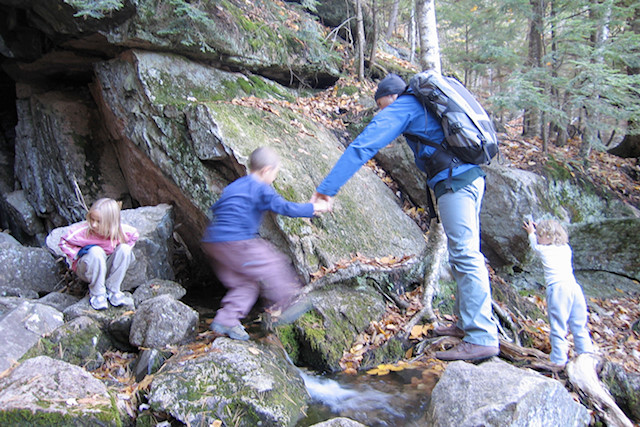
x: 105, y: 273
x: 567, y: 310
x: 249, y: 269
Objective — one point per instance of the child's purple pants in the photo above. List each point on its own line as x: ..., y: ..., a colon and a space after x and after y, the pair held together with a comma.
x: 249, y: 269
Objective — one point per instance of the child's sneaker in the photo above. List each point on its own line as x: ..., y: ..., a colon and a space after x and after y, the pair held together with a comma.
x: 119, y: 298
x: 98, y: 302
x: 235, y: 333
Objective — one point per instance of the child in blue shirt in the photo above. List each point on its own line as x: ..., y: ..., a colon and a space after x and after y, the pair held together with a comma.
x: 247, y: 265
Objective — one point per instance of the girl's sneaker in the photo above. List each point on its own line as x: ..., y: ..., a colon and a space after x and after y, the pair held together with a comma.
x: 120, y: 298
x: 99, y: 302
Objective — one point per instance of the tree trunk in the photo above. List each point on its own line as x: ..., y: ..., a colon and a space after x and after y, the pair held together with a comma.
x: 412, y: 33
x: 374, y: 37
x: 429, y: 47
x: 393, y: 20
x: 531, y: 116
x: 361, y: 41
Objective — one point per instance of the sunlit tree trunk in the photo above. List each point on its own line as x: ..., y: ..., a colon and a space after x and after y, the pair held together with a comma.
x: 393, y: 19
x: 412, y: 33
x: 361, y: 41
x: 429, y: 47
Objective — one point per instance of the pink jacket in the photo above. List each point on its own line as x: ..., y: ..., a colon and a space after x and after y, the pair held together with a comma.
x: 76, y: 238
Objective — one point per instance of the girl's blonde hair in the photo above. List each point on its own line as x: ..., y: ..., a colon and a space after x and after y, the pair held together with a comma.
x: 108, y: 211
x: 553, y: 231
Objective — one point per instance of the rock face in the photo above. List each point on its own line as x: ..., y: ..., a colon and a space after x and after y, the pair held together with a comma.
x: 498, y: 394
x: 28, y: 268
x: 163, y: 321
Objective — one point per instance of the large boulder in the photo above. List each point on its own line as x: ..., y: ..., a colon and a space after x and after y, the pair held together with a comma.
x: 234, y: 34
x: 602, y: 233
x: 168, y: 93
x: 240, y: 383
x: 498, y: 394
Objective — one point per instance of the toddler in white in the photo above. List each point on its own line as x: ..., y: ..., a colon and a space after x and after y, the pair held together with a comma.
x: 566, y: 304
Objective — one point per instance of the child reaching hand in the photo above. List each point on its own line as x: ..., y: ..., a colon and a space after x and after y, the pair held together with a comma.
x: 247, y: 265
x: 566, y: 304
x: 99, y: 250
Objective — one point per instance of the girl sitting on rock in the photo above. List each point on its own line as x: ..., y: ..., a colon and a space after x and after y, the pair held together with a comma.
x: 99, y: 250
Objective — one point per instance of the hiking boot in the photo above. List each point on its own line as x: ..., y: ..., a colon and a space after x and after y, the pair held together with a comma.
x: 120, y: 298
x: 236, y: 332
x: 98, y: 302
x: 467, y: 351
x: 292, y: 313
x: 448, y: 331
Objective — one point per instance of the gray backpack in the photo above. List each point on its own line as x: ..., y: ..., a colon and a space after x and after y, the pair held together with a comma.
x: 468, y: 130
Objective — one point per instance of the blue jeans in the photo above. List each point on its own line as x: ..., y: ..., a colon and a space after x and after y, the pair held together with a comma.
x: 460, y: 216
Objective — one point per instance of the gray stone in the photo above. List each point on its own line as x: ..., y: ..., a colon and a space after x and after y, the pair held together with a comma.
x: 42, y: 389
x: 22, y: 327
x: 232, y: 378
x: 28, y: 268
x: 156, y: 287
x: 498, y: 394
x: 163, y: 321
x: 80, y: 342
x: 58, y: 300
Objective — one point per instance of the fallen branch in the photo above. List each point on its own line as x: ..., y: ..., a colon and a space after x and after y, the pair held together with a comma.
x: 583, y: 376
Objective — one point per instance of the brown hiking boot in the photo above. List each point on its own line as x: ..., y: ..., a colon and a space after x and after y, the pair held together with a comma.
x: 467, y: 351
x: 448, y: 331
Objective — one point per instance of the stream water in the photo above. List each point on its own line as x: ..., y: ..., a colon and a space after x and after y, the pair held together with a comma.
x: 395, y: 399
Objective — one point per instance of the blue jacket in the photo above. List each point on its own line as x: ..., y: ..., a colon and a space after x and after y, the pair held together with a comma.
x: 405, y: 115
x: 238, y: 213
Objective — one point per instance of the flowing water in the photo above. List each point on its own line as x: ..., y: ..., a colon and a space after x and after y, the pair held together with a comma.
x: 396, y: 399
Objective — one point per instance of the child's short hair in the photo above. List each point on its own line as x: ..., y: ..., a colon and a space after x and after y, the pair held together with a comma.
x: 552, y: 230
x: 108, y: 210
x: 263, y: 157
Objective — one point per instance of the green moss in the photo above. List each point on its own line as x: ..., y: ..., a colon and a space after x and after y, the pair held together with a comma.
x: 24, y: 417
x: 287, y: 336
x: 444, y: 301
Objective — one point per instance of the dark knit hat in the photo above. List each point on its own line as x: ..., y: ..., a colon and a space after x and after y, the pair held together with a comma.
x: 390, y: 85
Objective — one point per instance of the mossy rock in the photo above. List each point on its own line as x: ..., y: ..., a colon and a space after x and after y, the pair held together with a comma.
x: 240, y: 383
x: 79, y: 342
x: 319, y: 338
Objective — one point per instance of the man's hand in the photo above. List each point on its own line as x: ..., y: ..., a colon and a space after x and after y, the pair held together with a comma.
x: 317, y: 197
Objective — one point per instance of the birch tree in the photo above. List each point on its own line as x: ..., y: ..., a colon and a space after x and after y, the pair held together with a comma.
x: 429, y: 46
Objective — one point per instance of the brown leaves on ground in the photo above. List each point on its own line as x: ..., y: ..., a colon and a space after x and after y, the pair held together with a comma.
x: 382, y: 262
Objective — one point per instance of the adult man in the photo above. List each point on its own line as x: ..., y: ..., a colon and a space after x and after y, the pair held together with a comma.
x: 458, y: 187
